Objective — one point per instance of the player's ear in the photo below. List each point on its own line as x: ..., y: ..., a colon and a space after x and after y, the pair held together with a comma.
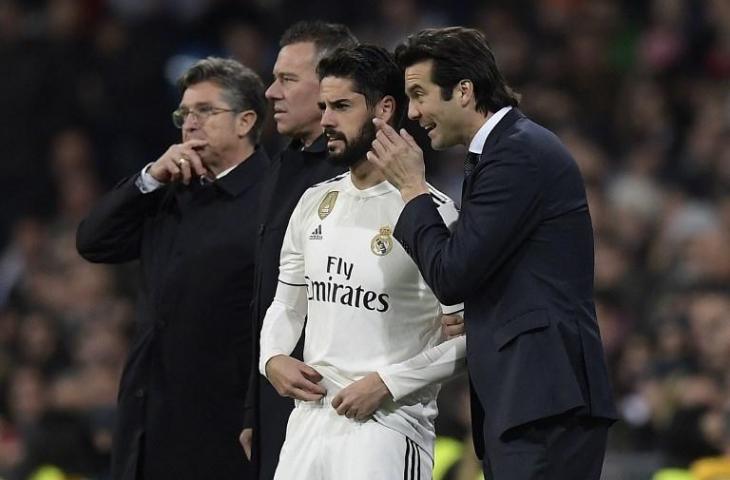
x: 385, y: 109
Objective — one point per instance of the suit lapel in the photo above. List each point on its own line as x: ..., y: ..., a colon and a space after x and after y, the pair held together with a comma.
x: 505, y: 124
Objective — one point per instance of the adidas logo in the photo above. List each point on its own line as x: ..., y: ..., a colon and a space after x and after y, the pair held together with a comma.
x: 316, y: 234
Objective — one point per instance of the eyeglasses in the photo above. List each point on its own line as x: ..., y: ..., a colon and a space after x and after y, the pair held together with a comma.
x: 200, y: 114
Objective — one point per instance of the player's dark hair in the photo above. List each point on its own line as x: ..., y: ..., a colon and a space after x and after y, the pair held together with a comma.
x: 373, y: 72
x: 242, y: 87
x: 327, y: 37
x: 459, y: 53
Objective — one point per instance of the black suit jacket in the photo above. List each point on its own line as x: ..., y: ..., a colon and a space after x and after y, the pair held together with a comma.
x: 293, y: 171
x: 521, y: 258
x: 182, y: 392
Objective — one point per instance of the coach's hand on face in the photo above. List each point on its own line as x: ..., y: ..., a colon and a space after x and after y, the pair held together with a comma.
x: 294, y: 378
x: 452, y: 326
x: 400, y: 159
x: 360, y: 399
x: 180, y: 163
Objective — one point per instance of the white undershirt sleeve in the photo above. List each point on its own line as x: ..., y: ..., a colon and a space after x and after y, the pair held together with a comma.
x: 284, y: 319
x: 146, y: 182
x: 452, y: 309
x: 435, y: 365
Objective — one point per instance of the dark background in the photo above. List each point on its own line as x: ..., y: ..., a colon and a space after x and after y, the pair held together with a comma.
x: 638, y: 90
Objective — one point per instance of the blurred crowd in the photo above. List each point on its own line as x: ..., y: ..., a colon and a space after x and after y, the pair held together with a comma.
x: 638, y: 91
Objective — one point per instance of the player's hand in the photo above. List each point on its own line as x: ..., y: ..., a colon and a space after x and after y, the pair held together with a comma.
x: 294, y: 378
x: 452, y: 326
x: 246, y: 439
x: 179, y: 163
x: 400, y: 158
x: 360, y: 399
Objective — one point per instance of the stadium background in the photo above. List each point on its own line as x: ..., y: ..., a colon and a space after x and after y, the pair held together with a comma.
x: 638, y: 90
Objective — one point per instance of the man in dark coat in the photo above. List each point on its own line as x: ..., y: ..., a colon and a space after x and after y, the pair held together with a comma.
x: 520, y: 257
x: 188, y: 218
x: 295, y: 96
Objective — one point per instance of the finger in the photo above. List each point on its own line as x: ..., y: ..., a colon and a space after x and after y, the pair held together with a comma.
x: 387, y: 142
x: 374, y: 159
x: 343, y: 408
x: 312, y: 387
x: 184, y: 166
x: 195, y: 143
x: 388, y: 131
x: 311, y: 374
x: 300, y: 394
x: 453, y: 333
x: 337, y: 401
x: 379, y: 148
x: 448, y: 320
x: 455, y: 328
x: 196, y: 163
x: 409, y: 139
x: 379, y: 123
x: 174, y: 171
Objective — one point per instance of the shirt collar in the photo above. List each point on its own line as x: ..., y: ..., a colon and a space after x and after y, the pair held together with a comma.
x: 477, y: 143
x: 375, y: 191
x: 243, y: 175
x: 317, y: 146
x: 226, y: 172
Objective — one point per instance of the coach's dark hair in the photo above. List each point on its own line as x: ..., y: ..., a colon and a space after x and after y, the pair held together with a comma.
x: 242, y: 87
x: 327, y: 37
x: 459, y: 53
x: 373, y: 72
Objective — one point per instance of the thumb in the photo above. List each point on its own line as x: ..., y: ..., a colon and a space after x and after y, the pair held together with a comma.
x: 311, y: 374
x: 337, y: 401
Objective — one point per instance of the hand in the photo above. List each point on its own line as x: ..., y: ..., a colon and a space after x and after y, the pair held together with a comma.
x: 360, y: 399
x: 179, y: 163
x: 452, y: 326
x: 401, y: 160
x: 246, y: 439
x: 293, y: 378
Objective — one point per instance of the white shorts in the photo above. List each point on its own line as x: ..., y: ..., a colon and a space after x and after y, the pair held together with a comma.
x: 321, y: 445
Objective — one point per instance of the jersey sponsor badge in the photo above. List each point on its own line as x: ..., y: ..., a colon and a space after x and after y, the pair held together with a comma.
x: 382, y: 243
x: 327, y: 204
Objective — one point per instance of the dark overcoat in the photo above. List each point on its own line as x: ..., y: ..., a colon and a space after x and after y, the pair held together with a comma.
x: 182, y: 393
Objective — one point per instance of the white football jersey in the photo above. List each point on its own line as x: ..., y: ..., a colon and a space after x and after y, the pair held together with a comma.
x: 367, y: 306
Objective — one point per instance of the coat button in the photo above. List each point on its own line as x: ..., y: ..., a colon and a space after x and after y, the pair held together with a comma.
x: 139, y: 393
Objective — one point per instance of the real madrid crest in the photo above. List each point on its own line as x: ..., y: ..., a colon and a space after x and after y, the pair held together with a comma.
x: 327, y: 204
x: 382, y: 243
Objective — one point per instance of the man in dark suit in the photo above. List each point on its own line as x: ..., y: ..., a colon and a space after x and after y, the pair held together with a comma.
x: 295, y: 96
x: 187, y: 218
x: 520, y: 257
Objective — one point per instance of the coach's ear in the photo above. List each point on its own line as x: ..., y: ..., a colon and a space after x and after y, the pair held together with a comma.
x: 464, y: 92
x: 385, y: 109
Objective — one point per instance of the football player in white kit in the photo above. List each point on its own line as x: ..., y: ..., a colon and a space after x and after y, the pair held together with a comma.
x: 366, y: 391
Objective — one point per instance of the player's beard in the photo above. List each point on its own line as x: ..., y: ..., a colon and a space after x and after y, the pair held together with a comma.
x: 356, y: 148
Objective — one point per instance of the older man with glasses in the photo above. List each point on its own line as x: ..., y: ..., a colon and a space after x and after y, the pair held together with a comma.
x: 188, y: 217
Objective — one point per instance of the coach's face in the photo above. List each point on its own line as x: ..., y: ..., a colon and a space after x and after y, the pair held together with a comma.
x: 295, y: 91
x: 346, y: 119
x: 210, y: 118
x: 442, y: 119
